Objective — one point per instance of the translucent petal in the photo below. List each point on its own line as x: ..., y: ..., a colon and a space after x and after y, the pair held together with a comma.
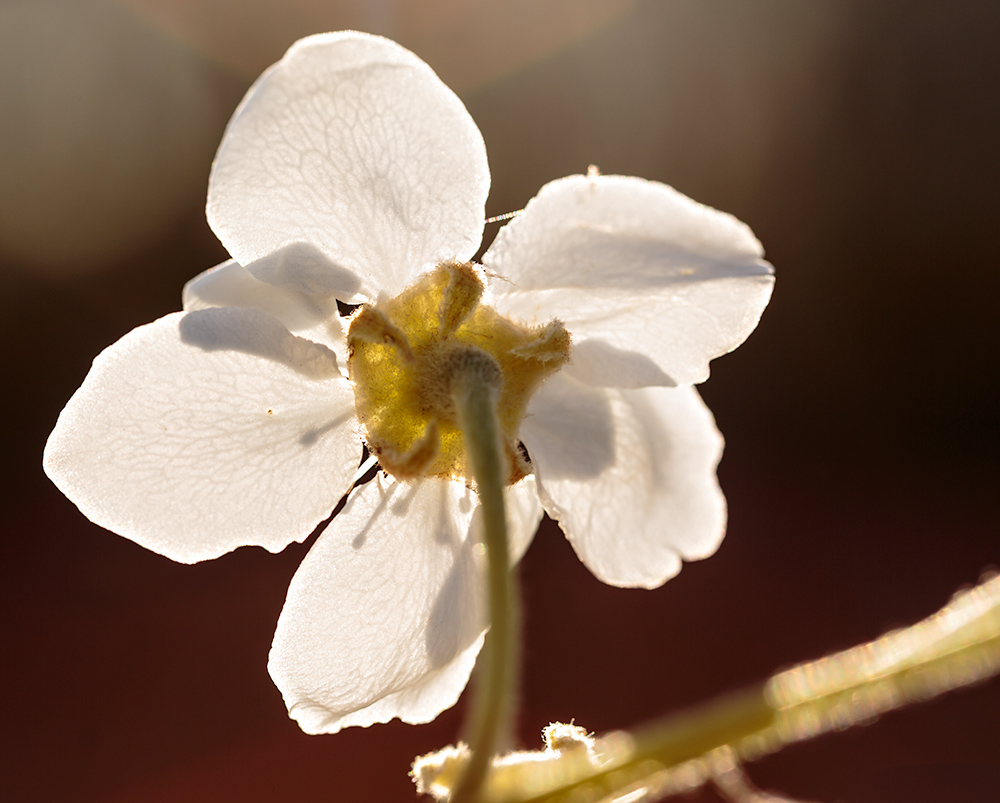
x: 384, y: 617
x: 352, y: 150
x: 651, y: 284
x: 629, y: 474
x: 524, y: 514
x: 314, y: 317
x: 205, y: 431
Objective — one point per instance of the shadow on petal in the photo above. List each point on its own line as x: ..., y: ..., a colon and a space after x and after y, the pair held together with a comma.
x: 457, y: 617
x: 254, y: 332
x: 401, y: 506
x: 599, y: 363
x: 311, y: 437
x: 362, y: 536
x: 570, y: 430
x: 652, y: 263
x: 305, y: 269
x: 232, y: 285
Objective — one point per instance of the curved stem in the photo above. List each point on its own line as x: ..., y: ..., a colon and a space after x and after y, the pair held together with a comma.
x: 475, y: 398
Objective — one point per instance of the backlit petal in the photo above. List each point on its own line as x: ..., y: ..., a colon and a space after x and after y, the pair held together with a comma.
x: 314, y: 317
x: 205, y: 431
x: 353, y: 152
x: 629, y: 474
x: 651, y: 284
x: 524, y: 514
x: 384, y: 617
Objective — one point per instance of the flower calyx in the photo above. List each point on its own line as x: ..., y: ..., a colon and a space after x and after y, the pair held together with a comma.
x: 410, y: 355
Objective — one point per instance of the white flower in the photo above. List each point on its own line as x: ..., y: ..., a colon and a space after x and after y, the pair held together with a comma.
x: 348, y: 171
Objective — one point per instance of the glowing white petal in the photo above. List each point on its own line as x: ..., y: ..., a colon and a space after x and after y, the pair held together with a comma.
x: 384, y: 617
x: 205, y: 431
x: 629, y: 474
x: 651, y: 284
x: 351, y: 150
x: 314, y: 317
x: 524, y: 514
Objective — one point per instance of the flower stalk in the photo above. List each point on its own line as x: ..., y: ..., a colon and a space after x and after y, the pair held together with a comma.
x: 958, y: 646
x: 475, y: 388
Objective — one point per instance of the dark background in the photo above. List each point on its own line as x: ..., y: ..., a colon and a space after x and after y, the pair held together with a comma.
x: 858, y: 139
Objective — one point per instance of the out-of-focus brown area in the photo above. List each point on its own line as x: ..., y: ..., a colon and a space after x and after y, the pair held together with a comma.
x: 858, y: 139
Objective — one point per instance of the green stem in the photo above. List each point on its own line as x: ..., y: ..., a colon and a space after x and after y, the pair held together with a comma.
x: 646, y: 752
x: 475, y: 397
x: 955, y: 647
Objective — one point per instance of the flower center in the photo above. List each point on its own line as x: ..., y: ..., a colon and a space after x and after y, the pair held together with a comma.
x: 405, y: 353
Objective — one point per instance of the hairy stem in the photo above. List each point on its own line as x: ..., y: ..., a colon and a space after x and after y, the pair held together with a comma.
x: 475, y: 398
x: 957, y: 646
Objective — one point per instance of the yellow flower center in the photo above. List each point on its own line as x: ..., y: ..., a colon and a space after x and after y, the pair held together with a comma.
x: 404, y: 354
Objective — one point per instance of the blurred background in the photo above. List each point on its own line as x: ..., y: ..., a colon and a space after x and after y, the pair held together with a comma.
x: 858, y: 138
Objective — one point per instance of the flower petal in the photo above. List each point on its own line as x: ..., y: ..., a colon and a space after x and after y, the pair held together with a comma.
x: 384, y: 618
x: 314, y: 317
x: 205, y: 431
x: 651, y: 284
x: 524, y: 514
x: 629, y: 474
x: 352, y: 148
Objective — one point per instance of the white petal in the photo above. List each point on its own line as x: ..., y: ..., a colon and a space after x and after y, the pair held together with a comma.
x: 524, y: 514
x: 651, y: 284
x: 205, y: 431
x: 384, y: 618
x: 351, y: 150
x: 629, y: 474
x: 314, y: 317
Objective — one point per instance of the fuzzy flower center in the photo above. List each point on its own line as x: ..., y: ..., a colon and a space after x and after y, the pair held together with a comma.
x: 406, y: 353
